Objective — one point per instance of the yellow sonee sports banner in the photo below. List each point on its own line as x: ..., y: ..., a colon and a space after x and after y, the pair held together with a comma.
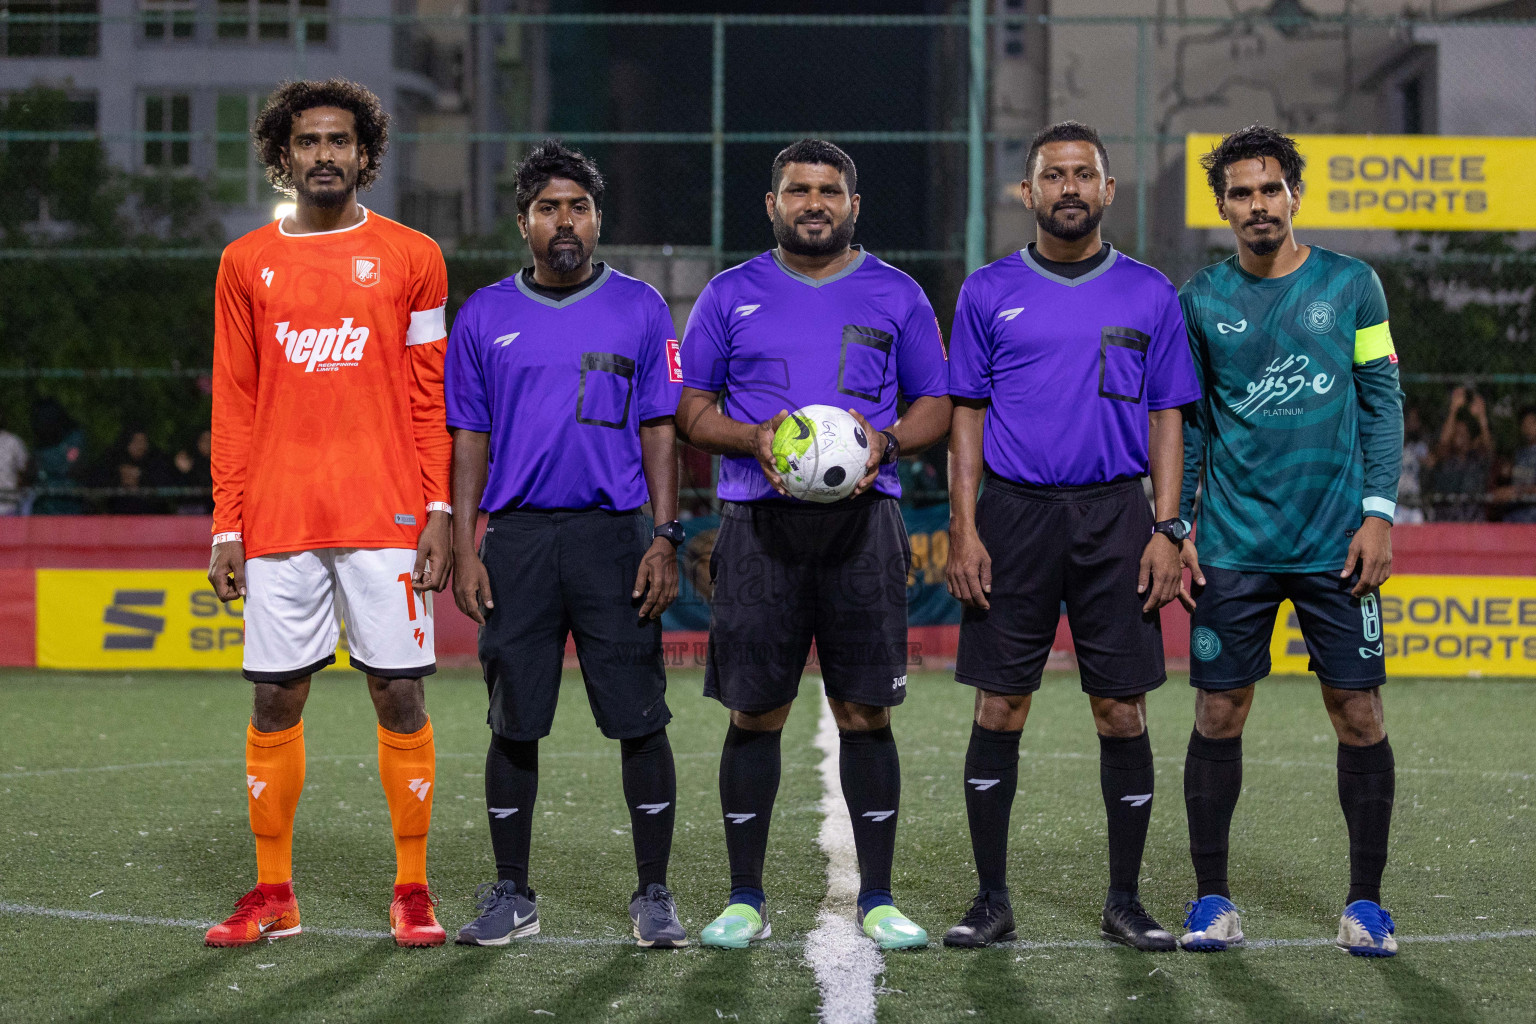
x: 127, y: 619
x: 1437, y: 626
x: 1394, y: 182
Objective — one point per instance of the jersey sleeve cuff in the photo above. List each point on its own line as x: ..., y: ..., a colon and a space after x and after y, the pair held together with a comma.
x: 1159, y: 404
x: 1381, y: 508
x: 226, y: 537
x: 459, y: 423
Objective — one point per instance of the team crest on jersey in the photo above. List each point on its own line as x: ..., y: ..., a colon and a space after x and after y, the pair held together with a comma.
x: 365, y: 270
x: 1319, y: 317
x: 674, y: 361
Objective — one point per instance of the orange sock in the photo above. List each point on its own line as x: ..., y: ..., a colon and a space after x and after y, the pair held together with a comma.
x: 407, y: 770
x: 274, y: 778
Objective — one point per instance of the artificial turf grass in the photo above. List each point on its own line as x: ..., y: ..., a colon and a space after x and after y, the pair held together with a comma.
x: 1463, y: 775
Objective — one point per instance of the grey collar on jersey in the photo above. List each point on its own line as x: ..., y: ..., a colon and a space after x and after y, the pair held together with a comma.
x: 593, y: 286
x: 1070, y: 282
x: 858, y: 261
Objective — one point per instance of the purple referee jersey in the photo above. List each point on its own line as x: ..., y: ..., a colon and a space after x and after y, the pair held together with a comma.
x: 1071, y: 366
x: 562, y: 386
x: 773, y: 339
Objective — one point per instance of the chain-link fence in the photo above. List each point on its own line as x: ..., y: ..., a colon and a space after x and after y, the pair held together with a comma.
x: 120, y: 179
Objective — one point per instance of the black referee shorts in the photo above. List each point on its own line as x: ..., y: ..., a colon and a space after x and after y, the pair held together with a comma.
x: 554, y: 574
x: 787, y: 574
x: 1081, y: 545
x: 1234, y: 621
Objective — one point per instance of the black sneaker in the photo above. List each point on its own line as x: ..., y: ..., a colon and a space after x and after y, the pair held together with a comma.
x: 654, y: 915
x: 989, y: 920
x: 1130, y: 925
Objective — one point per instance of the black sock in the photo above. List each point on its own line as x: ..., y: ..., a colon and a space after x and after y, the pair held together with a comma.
x: 749, y: 781
x: 511, y: 785
x: 991, y: 780
x: 1125, y: 776
x: 650, y: 787
x: 871, y: 775
x: 1367, y: 785
x: 1213, y: 780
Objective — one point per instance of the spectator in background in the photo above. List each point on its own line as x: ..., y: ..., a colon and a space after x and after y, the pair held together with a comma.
x: 1463, y: 458
x: 1416, y: 459
x: 1520, y: 493
x: 190, y: 467
x: 136, y: 468
x: 13, y: 463
x: 57, y: 458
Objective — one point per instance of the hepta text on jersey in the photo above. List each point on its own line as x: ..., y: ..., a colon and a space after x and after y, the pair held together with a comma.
x: 326, y: 348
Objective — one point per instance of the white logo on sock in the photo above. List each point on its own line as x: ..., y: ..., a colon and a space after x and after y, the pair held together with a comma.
x: 877, y: 815
x: 1137, y: 799
x: 982, y: 785
x: 255, y: 785
x: 653, y: 808
x: 737, y: 819
x: 502, y: 812
x: 420, y: 787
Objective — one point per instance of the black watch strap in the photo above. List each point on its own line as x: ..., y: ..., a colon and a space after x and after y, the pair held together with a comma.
x: 672, y: 531
x: 892, y: 448
x: 1174, y: 530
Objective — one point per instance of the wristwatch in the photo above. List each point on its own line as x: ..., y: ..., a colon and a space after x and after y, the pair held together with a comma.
x: 892, y: 448
x: 1174, y: 530
x: 672, y: 531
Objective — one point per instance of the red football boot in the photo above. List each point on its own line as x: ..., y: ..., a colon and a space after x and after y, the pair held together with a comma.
x: 411, y: 917
x: 266, y: 912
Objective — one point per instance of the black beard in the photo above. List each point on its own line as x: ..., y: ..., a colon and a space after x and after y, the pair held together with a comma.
x: 1265, y: 246
x: 328, y: 200
x: 565, y: 260
x: 1069, y: 232
x: 790, y: 241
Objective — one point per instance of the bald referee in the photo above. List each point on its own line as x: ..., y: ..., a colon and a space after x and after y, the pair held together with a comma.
x: 1068, y: 363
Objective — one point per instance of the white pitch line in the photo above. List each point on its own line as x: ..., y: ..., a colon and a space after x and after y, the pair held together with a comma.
x: 1064, y: 945
x: 845, y: 962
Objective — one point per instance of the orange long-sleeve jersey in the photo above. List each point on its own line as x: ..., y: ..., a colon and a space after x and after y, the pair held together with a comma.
x: 328, y: 417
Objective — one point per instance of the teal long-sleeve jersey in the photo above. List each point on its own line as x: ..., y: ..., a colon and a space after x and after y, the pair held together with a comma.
x: 1300, y: 430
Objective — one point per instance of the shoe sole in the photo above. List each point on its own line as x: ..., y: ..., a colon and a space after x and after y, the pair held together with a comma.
x: 958, y: 944
x: 902, y: 943
x: 532, y: 928
x: 420, y: 943
x: 1370, y: 951
x: 659, y: 943
x: 1211, y: 945
x: 1122, y: 940
x: 269, y: 936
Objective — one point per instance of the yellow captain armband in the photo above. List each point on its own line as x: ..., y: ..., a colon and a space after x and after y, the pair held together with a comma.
x: 1373, y: 343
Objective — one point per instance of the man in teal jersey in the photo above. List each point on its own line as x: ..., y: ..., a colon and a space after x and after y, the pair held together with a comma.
x: 1295, y: 447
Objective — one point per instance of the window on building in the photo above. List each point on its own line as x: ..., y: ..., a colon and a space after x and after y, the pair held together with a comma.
x: 238, y: 177
x: 44, y: 110
x: 49, y: 36
x: 168, y: 20
x: 169, y: 117
x: 274, y: 20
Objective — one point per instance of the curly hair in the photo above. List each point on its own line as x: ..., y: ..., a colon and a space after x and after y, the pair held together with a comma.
x: 1254, y: 142
x: 274, y: 125
x: 553, y: 159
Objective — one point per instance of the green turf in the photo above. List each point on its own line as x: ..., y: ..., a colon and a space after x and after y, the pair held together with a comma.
x: 130, y: 788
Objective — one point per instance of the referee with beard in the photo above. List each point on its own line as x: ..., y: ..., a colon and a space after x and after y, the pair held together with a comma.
x: 1068, y: 365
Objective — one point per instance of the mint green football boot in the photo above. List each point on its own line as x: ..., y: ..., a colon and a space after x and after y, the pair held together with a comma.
x: 737, y: 927
x: 891, y: 929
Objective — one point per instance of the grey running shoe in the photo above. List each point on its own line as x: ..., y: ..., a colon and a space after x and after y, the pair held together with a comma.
x: 505, y: 914
x: 1130, y: 925
x: 654, y: 915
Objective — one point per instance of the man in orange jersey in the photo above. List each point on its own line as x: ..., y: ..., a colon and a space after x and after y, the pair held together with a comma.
x: 330, y: 480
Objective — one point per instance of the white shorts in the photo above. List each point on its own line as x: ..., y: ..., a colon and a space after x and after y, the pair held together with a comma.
x: 295, y: 604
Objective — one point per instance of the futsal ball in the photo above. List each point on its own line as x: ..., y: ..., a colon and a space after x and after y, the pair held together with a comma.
x: 820, y: 452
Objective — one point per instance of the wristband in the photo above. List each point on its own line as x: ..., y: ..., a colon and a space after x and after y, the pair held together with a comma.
x: 226, y: 538
x: 439, y: 506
